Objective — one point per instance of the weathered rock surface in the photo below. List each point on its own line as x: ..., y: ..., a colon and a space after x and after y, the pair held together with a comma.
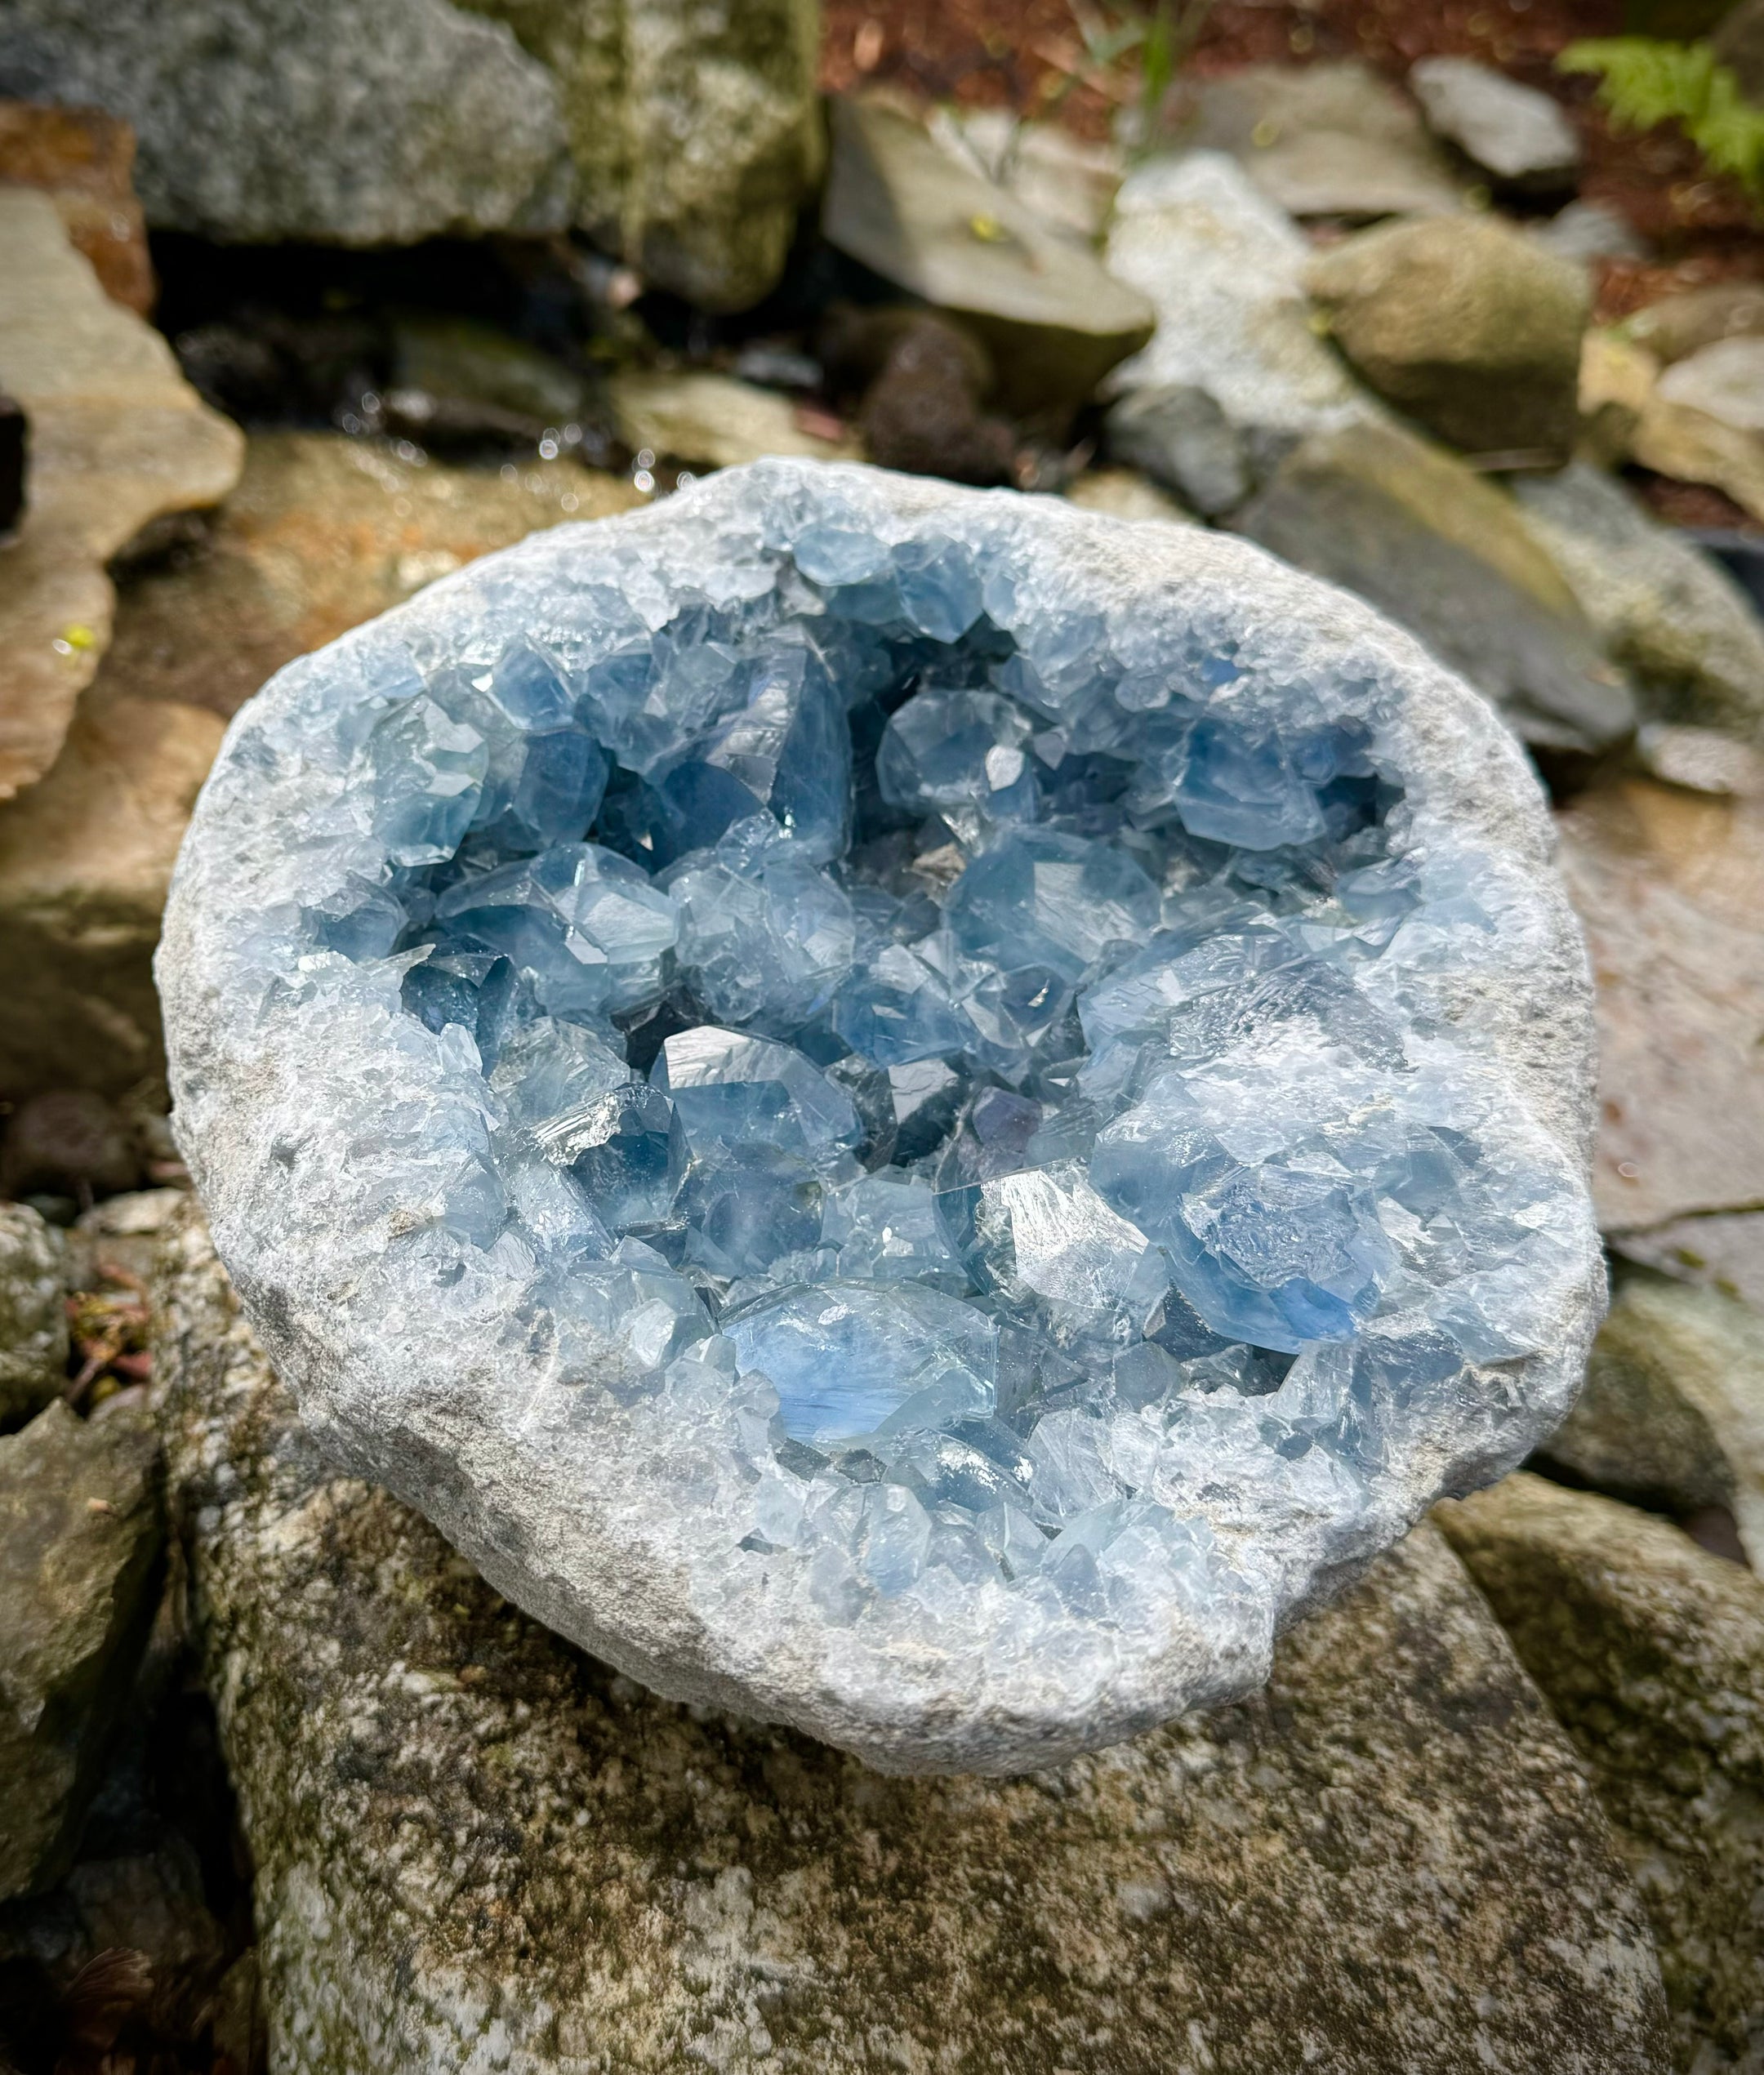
x: 1667, y: 612
x: 123, y: 1232
x: 34, y: 1327
x: 1616, y: 387
x: 1325, y: 140
x: 1669, y: 885
x: 1710, y: 412
x: 1678, y: 325
x: 688, y: 140
x: 1068, y: 182
x: 1409, y: 526
x: 472, y: 1842
x: 714, y: 419
x: 83, y: 159
x: 81, y: 1533
x: 1466, y: 324
x: 1518, y: 137
x: 1724, y: 379
x: 1055, y: 321
x: 1701, y: 759
x: 1222, y: 266
x: 85, y: 857
x: 117, y: 438
x: 1673, y: 1412
x: 1179, y: 437
x: 1124, y: 493
x: 467, y: 371
x: 264, y: 122
x: 695, y: 133
x: 1722, y: 1251
x: 1650, y: 1652
x: 124, y: 1958
x: 321, y: 534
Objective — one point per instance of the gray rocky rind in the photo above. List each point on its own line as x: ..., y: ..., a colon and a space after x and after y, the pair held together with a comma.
x: 476, y: 1848
x: 1651, y: 1653
x: 604, y: 1526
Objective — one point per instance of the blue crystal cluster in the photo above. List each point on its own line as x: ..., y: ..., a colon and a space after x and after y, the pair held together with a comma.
x: 959, y: 1047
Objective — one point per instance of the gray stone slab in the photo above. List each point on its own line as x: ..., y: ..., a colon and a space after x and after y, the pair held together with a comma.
x: 476, y: 1847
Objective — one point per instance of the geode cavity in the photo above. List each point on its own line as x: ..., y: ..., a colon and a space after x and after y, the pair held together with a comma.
x: 915, y: 1113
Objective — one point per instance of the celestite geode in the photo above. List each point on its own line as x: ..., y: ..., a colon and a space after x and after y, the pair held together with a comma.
x: 916, y: 1113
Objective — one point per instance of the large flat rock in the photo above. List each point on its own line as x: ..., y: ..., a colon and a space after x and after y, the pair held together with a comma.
x: 476, y: 1847
x: 1411, y: 528
x: 34, y: 1326
x: 321, y: 533
x: 1055, y: 320
x: 1325, y: 140
x: 1652, y: 1653
x: 1667, y: 883
x: 117, y: 437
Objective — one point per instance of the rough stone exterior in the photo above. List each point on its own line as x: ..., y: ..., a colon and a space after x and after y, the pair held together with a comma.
x: 1652, y: 1653
x: 1465, y: 323
x: 1667, y: 611
x: 34, y: 1328
x: 686, y: 136
x: 477, y: 1848
x: 1673, y: 1413
x: 117, y: 438
x: 81, y: 1533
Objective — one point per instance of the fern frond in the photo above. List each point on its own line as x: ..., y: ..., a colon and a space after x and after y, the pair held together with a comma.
x: 1643, y: 82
